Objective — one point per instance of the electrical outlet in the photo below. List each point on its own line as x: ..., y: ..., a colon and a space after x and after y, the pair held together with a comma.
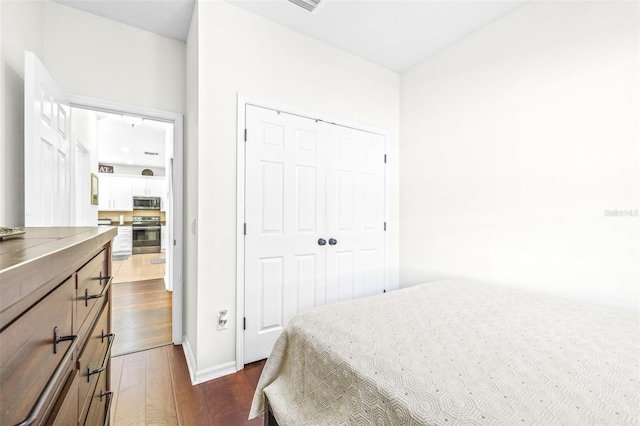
x: 223, y: 320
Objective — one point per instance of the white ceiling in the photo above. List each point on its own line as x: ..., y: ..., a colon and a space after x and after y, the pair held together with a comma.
x: 120, y: 143
x: 169, y: 18
x: 395, y: 34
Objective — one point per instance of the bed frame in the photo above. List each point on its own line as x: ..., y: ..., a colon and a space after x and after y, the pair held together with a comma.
x: 269, y: 420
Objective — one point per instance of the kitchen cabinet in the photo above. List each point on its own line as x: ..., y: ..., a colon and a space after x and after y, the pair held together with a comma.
x: 123, y: 242
x: 150, y: 187
x: 56, y: 339
x: 147, y: 186
x: 115, y: 193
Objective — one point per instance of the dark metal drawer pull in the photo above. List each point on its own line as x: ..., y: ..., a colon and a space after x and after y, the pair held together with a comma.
x: 92, y: 372
x: 39, y: 406
x: 105, y: 362
x: 106, y: 277
x: 93, y: 296
x: 108, y: 409
x: 57, y: 339
x: 102, y: 335
x: 103, y: 393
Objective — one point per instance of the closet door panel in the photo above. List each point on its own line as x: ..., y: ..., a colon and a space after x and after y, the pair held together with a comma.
x: 355, y: 212
x: 284, y: 215
x: 314, y: 214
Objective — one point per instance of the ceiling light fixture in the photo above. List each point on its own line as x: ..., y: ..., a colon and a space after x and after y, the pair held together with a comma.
x: 309, y: 5
x: 132, y: 121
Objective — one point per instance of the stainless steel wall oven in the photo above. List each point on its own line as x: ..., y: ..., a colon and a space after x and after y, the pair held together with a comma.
x: 146, y: 234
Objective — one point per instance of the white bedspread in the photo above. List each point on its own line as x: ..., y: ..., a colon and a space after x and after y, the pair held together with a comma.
x: 455, y: 352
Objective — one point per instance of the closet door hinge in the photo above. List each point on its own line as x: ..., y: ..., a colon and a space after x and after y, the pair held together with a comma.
x: 245, y: 228
x: 245, y: 135
x: 385, y: 158
x: 244, y: 323
x: 385, y: 226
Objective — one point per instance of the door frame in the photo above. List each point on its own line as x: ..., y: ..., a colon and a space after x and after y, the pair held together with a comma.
x: 243, y: 101
x: 177, y: 220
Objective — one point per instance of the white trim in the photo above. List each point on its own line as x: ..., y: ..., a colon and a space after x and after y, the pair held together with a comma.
x: 243, y: 100
x: 214, y: 372
x: 81, y: 144
x: 178, y: 177
x: 191, y: 360
x: 240, y: 189
x: 207, y: 374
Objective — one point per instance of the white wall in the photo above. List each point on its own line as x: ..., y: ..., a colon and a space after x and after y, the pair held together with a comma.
x: 190, y: 255
x: 84, y: 130
x: 242, y: 53
x: 21, y: 27
x: 125, y: 169
x: 93, y: 56
x: 514, y: 142
x: 87, y: 55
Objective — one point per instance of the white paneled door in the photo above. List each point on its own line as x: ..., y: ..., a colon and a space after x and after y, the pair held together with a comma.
x: 314, y: 213
x: 355, y: 212
x: 47, y: 148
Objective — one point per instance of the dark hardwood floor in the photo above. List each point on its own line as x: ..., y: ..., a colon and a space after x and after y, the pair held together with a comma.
x: 149, y: 376
x: 153, y: 387
x: 141, y: 316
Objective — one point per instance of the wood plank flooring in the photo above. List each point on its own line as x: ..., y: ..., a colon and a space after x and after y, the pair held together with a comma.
x: 153, y: 388
x: 141, y: 316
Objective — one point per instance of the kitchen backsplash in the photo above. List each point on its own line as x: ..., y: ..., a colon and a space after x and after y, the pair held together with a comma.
x: 128, y: 216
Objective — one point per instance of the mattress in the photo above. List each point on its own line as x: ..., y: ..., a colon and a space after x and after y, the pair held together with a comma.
x: 455, y: 352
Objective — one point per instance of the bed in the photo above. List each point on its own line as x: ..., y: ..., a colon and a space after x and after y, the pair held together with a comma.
x: 455, y: 352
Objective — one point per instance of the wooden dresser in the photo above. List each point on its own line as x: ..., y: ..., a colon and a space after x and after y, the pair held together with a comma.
x: 55, y: 326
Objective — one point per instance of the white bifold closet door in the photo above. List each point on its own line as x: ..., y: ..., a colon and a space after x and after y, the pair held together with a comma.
x: 314, y: 214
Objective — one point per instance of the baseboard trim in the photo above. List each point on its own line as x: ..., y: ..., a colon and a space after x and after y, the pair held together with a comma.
x: 191, y: 360
x: 215, y: 372
x: 207, y: 374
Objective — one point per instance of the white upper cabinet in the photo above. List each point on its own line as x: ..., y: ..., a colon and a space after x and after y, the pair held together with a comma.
x: 115, y: 193
x: 147, y: 187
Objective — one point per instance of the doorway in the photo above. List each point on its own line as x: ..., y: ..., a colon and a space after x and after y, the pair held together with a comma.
x: 48, y: 137
x: 133, y: 159
x: 167, y: 290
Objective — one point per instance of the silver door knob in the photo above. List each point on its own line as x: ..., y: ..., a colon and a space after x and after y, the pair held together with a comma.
x: 322, y: 242
x: 333, y: 241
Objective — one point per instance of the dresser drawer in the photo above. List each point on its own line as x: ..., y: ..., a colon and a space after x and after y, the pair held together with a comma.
x: 29, y: 357
x: 100, y: 403
x: 94, y: 359
x: 92, y: 289
x: 65, y: 412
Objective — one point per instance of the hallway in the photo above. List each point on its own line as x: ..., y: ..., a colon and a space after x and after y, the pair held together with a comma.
x: 141, y: 304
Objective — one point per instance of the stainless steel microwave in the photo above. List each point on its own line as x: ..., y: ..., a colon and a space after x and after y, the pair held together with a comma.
x: 146, y: 203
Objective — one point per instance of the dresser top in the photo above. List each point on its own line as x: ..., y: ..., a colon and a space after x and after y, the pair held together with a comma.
x: 34, y: 263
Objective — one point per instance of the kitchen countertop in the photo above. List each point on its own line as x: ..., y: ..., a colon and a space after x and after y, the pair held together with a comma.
x: 125, y: 223
x: 162, y: 223
x: 34, y: 263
